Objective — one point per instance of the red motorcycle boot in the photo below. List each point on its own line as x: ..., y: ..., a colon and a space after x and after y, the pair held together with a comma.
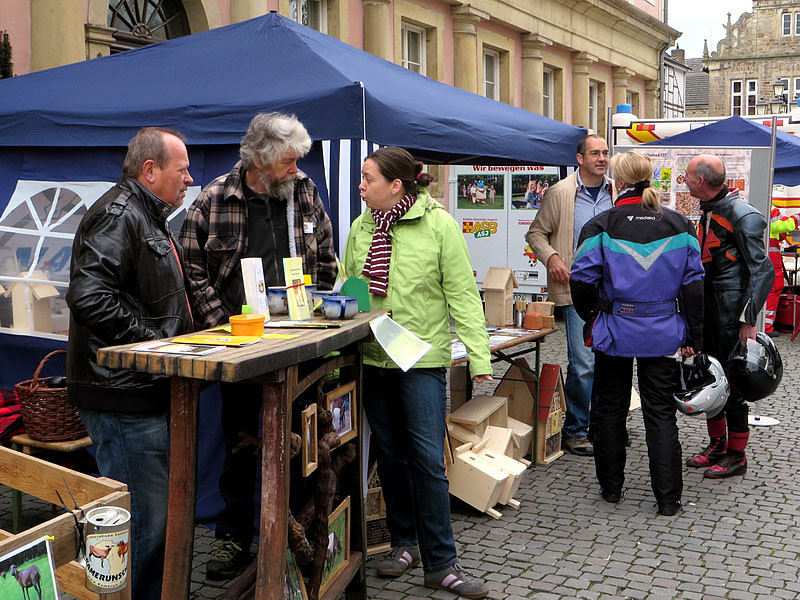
x: 734, y: 463
x: 735, y: 460
x: 711, y: 455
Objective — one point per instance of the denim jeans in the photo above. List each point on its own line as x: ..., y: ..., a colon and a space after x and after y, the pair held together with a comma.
x: 580, y: 376
x: 134, y: 449
x: 406, y: 412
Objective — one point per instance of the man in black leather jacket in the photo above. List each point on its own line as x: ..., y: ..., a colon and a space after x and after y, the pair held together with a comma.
x: 738, y: 279
x: 126, y: 285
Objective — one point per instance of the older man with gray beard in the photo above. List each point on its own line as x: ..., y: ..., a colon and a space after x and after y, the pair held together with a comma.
x: 264, y: 207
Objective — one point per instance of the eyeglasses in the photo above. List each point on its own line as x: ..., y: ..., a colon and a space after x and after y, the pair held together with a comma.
x: 597, y: 153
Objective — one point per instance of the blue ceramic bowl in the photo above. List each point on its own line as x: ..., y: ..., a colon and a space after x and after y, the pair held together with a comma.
x: 320, y: 295
x: 339, y: 307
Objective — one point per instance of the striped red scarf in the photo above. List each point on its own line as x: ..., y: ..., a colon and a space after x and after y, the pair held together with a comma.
x: 376, y: 267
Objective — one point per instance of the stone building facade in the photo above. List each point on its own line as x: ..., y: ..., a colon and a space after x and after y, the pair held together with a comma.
x: 566, y: 59
x: 760, y: 48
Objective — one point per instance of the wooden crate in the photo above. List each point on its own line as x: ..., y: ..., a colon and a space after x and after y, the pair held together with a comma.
x: 42, y: 479
x: 550, y: 414
x: 480, y: 412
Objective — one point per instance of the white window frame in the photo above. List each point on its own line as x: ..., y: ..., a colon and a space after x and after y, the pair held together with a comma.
x: 795, y: 93
x: 737, y: 95
x: 751, y: 95
x: 786, y: 24
x: 797, y: 23
x: 492, y: 56
x: 297, y: 15
x: 548, y: 93
x: 407, y: 31
x: 593, y: 104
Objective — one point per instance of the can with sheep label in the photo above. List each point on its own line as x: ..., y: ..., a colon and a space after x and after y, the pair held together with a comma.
x: 107, y: 533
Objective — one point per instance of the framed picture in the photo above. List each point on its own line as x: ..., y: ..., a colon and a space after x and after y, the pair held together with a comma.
x: 294, y: 588
x: 29, y: 572
x: 341, y: 402
x: 338, y: 554
x: 309, y: 444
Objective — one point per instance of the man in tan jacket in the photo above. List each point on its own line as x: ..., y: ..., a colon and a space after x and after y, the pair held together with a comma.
x: 553, y: 235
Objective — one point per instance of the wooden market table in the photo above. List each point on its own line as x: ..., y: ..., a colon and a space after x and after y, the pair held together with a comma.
x: 507, y: 351
x: 275, y: 363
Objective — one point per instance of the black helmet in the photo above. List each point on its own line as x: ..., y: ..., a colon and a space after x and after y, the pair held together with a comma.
x: 755, y: 370
x: 704, y: 388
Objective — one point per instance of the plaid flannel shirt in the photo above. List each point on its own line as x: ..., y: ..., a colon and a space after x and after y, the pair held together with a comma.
x: 214, y: 239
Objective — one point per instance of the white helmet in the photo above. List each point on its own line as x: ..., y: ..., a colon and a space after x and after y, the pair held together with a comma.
x: 704, y: 388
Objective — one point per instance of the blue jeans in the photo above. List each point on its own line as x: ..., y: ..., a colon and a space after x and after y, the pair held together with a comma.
x: 133, y: 448
x: 406, y: 412
x: 580, y: 376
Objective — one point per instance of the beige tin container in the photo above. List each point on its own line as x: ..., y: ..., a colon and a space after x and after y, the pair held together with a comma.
x: 107, y: 530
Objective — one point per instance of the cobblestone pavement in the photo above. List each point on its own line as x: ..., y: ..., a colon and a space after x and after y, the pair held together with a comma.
x: 736, y: 539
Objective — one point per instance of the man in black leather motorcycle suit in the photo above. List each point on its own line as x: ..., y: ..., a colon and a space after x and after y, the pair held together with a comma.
x: 127, y: 285
x: 738, y: 279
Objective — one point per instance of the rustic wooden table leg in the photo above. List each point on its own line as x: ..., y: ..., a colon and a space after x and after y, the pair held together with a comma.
x: 274, y: 491
x: 182, y: 488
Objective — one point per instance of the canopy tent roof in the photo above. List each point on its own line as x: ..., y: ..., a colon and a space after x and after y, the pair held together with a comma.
x: 210, y: 84
x: 736, y: 131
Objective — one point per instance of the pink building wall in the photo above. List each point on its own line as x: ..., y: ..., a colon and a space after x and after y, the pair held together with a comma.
x: 15, y: 18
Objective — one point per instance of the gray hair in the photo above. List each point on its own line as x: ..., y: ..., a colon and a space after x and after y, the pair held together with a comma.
x: 270, y: 135
x: 147, y: 144
x: 703, y: 168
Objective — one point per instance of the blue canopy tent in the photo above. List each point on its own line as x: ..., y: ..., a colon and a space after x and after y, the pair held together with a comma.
x: 736, y: 131
x: 63, y: 134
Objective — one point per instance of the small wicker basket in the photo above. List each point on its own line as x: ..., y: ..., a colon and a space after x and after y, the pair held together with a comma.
x: 47, y: 415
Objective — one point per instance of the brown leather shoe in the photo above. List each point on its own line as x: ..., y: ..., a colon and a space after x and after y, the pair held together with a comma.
x: 578, y: 445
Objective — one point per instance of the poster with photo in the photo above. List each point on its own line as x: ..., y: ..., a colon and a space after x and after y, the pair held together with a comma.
x: 527, y: 190
x: 669, y: 174
x: 29, y: 572
x: 481, y: 191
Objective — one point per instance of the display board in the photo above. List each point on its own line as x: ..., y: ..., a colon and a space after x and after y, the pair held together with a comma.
x: 747, y: 169
x: 495, y: 206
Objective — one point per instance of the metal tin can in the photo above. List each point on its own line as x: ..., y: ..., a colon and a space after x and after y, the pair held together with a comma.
x: 107, y: 530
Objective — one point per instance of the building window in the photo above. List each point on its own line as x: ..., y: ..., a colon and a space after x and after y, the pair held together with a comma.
x: 796, y: 91
x: 593, y: 107
x: 736, y: 97
x: 311, y: 13
x: 548, y: 96
x: 414, y: 49
x: 752, y: 95
x: 142, y: 22
x: 787, y: 24
x: 491, y: 74
x: 797, y: 23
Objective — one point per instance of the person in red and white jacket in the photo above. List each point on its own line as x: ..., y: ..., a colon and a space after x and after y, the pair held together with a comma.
x: 779, y: 226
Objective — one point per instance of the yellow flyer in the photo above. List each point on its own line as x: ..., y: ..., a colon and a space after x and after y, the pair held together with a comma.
x: 295, y: 289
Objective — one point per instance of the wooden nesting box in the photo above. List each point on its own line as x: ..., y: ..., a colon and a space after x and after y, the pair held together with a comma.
x: 550, y: 414
x: 522, y: 438
x: 476, y: 481
x: 519, y: 387
x: 499, y: 440
x: 480, y: 412
x: 31, y: 303
x: 378, y: 538
x: 498, y: 296
x: 508, y: 465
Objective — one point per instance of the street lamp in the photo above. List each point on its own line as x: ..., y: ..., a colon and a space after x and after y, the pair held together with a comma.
x: 780, y: 102
x: 762, y: 106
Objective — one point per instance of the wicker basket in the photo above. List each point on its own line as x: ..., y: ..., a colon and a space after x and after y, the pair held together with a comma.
x: 47, y: 415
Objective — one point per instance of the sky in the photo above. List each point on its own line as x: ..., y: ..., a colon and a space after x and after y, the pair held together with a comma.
x: 703, y: 19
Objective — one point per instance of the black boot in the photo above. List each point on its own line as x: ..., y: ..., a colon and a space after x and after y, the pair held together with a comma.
x: 711, y: 455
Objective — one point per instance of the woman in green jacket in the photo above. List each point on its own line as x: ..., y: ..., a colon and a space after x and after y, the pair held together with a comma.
x: 415, y: 259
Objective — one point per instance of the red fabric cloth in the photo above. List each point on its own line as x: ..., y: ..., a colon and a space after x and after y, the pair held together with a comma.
x: 376, y: 266
x: 8, y: 397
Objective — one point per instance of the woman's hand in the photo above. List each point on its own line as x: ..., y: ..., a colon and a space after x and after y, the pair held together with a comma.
x: 482, y: 378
